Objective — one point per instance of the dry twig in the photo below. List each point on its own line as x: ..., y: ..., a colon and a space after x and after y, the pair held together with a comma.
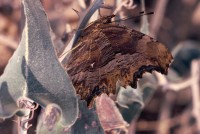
x: 158, y: 17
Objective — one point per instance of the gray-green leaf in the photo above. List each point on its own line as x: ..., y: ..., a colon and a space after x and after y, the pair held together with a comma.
x: 35, y: 72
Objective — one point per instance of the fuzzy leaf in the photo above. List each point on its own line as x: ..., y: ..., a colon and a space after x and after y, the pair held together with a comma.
x: 139, y: 99
x: 87, y: 123
x: 35, y: 72
x: 48, y: 121
x: 109, y: 115
x: 128, y: 96
x: 183, y: 54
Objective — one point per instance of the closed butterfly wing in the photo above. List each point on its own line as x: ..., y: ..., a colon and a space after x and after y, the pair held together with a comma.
x: 107, y: 53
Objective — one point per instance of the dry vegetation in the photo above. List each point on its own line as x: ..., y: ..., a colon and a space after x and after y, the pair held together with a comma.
x: 174, y: 108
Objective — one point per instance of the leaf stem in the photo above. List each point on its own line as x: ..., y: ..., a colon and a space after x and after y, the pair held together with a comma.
x: 82, y: 23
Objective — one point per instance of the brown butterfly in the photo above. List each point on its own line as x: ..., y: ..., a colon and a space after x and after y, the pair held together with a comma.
x: 108, y: 52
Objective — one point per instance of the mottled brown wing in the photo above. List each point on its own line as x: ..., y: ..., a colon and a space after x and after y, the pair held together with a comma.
x: 110, y: 52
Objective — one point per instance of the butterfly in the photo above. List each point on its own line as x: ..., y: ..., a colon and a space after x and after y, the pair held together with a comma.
x: 107, y: 53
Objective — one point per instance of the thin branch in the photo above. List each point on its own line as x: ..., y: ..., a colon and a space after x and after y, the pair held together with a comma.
x: 128, y: 4
x: 145, y: 24
x: 162, y: 81
x: 175, y: 86
x: 158, y: 17
x: 132, y: 127
x: 82, y: 4
x: 195, y: 72
x: 179, y: 86
x: 192, y: 82
x: 152, y: 125
x: 165, y: 113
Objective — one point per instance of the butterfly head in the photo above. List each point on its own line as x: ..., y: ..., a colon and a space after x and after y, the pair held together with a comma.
x: 107, y: 19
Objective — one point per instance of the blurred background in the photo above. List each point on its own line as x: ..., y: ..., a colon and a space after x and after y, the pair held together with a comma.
x: 162, y: 104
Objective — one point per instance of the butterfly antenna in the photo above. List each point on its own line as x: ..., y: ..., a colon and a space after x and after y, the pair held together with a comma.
x: 72, y: 49
x: 142, y: 12
x: 128, y: 18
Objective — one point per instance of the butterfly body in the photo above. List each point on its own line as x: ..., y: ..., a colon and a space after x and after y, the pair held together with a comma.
x: 108, y: 52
